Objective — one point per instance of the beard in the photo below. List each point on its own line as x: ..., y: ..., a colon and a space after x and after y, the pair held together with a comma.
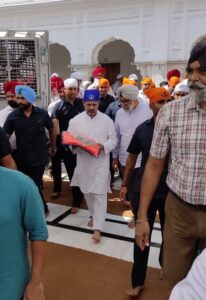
x: 197, y: 91
x: 12, y: 103
x: 24, y: 106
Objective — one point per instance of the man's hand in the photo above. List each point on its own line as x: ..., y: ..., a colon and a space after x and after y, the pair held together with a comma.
x: 142, y: 232
x: 115, y: 164
x: 123, y: 192
x: 100, y: 146
x: 34, y: 292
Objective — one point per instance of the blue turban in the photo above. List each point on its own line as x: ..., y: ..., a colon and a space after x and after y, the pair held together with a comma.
x: 27, y: 92
x: 91, y: 95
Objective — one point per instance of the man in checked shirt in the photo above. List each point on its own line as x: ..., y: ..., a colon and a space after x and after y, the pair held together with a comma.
x: 181, y: 128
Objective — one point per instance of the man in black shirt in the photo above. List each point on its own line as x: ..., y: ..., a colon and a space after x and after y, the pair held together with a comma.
x: 28, y: 122
x: 140, y: 143
x: 62, y: 113
x: 6, y: 159
x: 105, y: 98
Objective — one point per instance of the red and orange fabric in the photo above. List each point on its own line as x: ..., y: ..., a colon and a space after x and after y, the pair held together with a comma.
x: 156, y: 94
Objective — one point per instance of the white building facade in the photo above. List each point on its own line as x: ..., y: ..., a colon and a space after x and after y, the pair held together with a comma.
x: 143, y: 37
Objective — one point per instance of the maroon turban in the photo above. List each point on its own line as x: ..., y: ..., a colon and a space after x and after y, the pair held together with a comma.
x: 172, y: 73
x: 9, y: 86
x: 56, y: 82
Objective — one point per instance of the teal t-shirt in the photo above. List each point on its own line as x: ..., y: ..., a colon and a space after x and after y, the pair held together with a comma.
x: 21, y: 217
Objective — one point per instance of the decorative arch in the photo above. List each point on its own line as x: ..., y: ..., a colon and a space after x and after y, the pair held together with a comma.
x: 60, y: 60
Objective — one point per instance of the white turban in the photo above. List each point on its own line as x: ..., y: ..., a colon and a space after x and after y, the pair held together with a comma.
x: 70, y: 82
x: 133, y: 77
x: 77, y: 75
x: 129, y: 92
x: 181, y: 87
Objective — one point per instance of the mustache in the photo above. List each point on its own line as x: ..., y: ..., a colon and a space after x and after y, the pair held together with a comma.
x: 196, y: 85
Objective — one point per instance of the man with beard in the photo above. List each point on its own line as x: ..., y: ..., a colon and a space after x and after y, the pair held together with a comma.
x: 134, y: 112
x: 181, y: 129
x: 28, y: 122
x: 9, y: 91
x: 62, y: 113
x: 92, y: 174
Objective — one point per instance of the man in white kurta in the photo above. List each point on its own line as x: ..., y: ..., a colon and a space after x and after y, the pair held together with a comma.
x: 193, y: 287
x: 92, y: 174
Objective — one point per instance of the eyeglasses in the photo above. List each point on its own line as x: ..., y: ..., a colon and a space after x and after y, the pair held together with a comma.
x: 20, y: 98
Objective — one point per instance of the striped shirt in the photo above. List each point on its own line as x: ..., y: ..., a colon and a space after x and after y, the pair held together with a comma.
x: 181, y: 127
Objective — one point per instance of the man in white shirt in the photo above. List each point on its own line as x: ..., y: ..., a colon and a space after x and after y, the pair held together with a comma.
x: 134, y: 112
x: 92, y: 174
x: 9, y: 90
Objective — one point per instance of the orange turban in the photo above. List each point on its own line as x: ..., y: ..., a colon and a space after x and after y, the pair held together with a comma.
x: 174, y: 80
x: 127, y: 81
x: 156, y: 94
x: 148, y: 80
x: 104, y: 81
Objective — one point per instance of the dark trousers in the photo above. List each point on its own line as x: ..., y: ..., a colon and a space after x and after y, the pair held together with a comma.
x: 57, y: 170
x: 139, y: 268
x: 69, y: 160
x: 35, y: 173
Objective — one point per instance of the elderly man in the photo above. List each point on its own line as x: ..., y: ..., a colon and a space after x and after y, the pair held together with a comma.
x: 28, y: 122
x: 140, y: 143
x: 92, y: 174
x: 62, y: 113
x: 180, y: 127
x: 134, y: 111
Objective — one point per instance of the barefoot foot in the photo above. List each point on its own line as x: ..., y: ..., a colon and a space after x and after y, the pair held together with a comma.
x: 97, y: 236
x: 131, y: 224
x: 134, y: 292
x: 74, y: 210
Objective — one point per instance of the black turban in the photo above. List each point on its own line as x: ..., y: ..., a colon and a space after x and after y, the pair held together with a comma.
x: 198, y: 53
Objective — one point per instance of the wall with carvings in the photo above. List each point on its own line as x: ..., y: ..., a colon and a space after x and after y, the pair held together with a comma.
x: 161, y: 32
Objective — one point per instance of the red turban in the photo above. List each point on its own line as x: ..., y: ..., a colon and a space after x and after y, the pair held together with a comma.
x: 156, y: 94
x: 9, y: 86
x: 56, y: 82
x: 99, y: 71
x: 172, y: 73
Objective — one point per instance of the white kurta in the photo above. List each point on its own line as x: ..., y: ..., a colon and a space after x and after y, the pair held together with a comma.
x: 3, y: 115
x: 92, y: 174
x: 193, y: 287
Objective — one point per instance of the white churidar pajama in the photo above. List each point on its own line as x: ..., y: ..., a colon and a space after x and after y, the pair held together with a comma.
x: 97, y: 206
x: 92, y: 174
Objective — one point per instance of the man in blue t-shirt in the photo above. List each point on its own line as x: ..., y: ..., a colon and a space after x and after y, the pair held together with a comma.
x: 21, y: 214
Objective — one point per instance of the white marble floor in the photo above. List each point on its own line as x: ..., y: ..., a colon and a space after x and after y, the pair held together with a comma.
x: 71, y: 230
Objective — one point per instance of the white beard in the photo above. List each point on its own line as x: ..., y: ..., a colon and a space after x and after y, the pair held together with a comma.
x: 197, y: 92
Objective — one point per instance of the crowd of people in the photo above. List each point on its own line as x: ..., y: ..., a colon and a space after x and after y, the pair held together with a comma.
x: 153, y: 136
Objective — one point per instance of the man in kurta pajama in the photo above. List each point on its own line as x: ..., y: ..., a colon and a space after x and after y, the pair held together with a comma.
x: 92, y: 174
